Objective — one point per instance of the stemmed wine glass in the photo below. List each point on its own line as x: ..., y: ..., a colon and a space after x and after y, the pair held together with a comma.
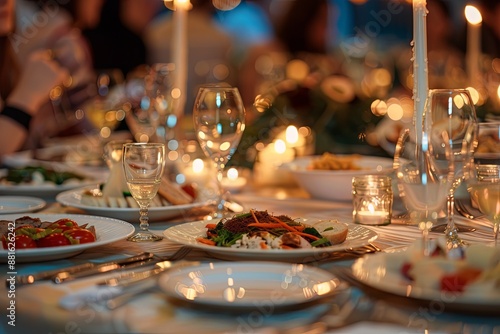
x: 219, y: 122
x: 104, y: 109
x: 483, y: 185
x: 483, y: 181
x: 452, y: 111
x: 423, y: 183
x: 143, y: 165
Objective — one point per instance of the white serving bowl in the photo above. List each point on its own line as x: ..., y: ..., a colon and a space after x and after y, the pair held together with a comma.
x: 335, y: 185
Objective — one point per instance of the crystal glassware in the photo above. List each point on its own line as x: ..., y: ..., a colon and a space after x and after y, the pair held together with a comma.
x: 450, y: 118
x: 143, y: 165
x: 219, y: 122
x: 423, y: 182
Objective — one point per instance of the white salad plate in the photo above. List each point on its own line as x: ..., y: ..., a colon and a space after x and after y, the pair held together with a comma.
x: 187, y: 233
x: 245, y: 286
x: 18, y: 204
x: 73, y: 198
x: 107, y: 231
x: 376, y: 272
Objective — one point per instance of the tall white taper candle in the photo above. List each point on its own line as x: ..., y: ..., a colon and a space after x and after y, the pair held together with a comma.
x: 420, y: 71
x: 180, y: 52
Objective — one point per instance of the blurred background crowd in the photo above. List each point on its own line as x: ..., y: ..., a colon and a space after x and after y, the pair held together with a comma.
x: 339, y: 68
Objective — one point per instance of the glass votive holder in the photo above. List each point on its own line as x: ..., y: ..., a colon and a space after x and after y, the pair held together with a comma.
x: 372, y: 199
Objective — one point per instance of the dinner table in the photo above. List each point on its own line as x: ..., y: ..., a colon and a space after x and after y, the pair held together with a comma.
x: 354, y: 307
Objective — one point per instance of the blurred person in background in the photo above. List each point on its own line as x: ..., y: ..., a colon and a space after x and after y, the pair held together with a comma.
x: 114, y: 30
x: 35, y: 57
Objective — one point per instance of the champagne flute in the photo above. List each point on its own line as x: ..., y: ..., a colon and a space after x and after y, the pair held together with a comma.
x: 143, y: 165
x: 452, y: 111
x: 219, y: 122
x: 483, y: 185
x: 423, y: 183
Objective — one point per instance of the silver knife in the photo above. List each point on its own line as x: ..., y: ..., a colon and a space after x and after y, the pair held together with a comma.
x: 49, y: 274
x: 123, y: 287
x: 131, y: 262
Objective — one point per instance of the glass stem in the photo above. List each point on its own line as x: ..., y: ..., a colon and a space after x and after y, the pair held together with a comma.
x: 496, y: 226
x: 220, y: 190
x: 144, y: 220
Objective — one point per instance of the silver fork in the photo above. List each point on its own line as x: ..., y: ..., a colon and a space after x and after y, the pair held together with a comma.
x: 179, y: 254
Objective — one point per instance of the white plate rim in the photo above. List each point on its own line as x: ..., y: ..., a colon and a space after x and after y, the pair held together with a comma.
x: 122, y: 231
x: 69, y: 198
x: 31, y: 204
x: 207, y: 271
x: 364, y: 269
x: 186, y: 234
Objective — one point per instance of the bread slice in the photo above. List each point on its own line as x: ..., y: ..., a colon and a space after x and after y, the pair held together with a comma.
x: 333, y: 230
x: 173, y: 193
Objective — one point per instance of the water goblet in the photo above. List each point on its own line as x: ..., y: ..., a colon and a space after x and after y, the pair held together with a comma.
x: 219, y: 122
x: 423, y: 183
x: 143, y: 165
x: 451, y: 111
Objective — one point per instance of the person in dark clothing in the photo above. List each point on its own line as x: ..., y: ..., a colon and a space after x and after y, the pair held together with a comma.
x: 113, y: 44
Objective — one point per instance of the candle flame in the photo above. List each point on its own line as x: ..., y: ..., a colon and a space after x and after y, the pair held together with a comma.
x: 232, y: 173
x: 280, y: 146
x: 292, y: 134
x: 198, y: 166
x: 473, y: 15
x: 371, y: 208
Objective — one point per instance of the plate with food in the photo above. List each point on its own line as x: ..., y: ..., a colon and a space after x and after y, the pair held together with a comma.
x: 171, y: 201
x: 329, y: 176
x: 259, y: 235
x: 465, y: 283
x: 18, y: 204
x: 41, y: 181
x: 44, y: 237
x: 206, y: 285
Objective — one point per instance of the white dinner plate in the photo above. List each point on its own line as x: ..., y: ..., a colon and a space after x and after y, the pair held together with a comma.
x: 73, y: 198
x: 245, y: 286
x: 107, y: 231
x: 374, y: 271
x: 187, y: 233
x: 334, y: 185
x: 18, y: 204
x: 46, y: 190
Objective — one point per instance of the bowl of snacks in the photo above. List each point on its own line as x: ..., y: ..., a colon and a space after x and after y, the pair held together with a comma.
x: 329, y: 176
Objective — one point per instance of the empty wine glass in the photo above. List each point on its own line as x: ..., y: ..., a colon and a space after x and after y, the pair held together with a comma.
x: 452, y: 111
x: 219, y: 122
x: 423, y: 183
x: 143, y: 165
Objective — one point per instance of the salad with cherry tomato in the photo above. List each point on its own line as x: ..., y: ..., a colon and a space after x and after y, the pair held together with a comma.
x: 63, y: 232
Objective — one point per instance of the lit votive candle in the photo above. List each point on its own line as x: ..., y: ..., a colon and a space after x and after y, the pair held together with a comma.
x: 232, y: 182
x: 372, y: 199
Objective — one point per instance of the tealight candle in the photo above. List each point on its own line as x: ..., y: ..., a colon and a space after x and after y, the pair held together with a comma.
x: 372, y: 199
x: 233, y: 182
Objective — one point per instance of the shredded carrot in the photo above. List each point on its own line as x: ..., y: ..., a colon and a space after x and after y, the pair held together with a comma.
x: 254, y: 216
x: 265, y: 225
x: 307, y: 235
x: 285, y: 225
x: 286, y: 247
x: 211, y: 226
x: 206, y: 241
x: 263, y: 245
